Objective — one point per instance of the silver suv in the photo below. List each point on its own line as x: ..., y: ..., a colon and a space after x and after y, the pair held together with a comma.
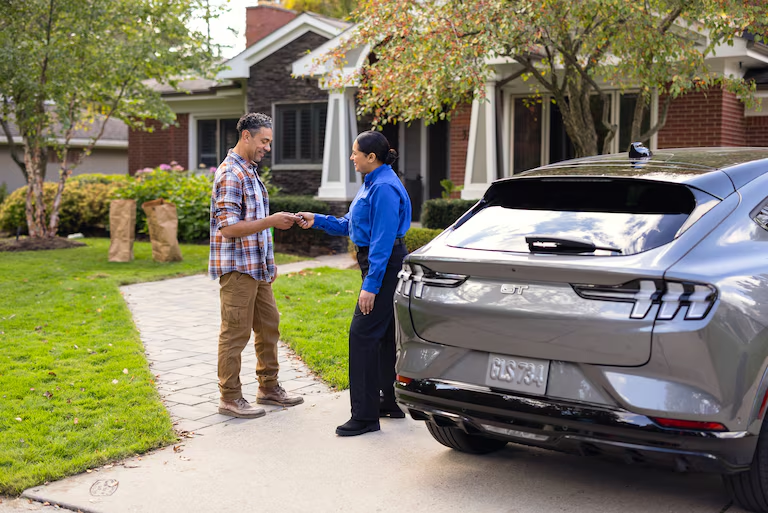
x: 613, y: 305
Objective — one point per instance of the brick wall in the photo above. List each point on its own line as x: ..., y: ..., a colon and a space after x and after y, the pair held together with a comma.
x: 270, y: 81
x: 757, y: 131
x: 714, y: 118
x: 458, y: 139
x: 159, y: 147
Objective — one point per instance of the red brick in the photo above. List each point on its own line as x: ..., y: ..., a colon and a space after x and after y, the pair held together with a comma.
x: 147, y: 149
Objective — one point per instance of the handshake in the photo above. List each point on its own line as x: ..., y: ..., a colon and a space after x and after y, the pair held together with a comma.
x: 284, y: 220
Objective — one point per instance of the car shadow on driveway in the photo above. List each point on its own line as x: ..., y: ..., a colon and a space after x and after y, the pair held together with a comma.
x: 535, y: 479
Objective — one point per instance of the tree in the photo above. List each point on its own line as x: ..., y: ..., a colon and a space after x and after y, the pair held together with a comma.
x: 429, y: 55
x: 70, y: 65
x: 334, y: 8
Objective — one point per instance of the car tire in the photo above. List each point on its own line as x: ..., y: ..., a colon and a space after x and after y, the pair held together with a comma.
x: 750, y: 489
x: 464, y: 442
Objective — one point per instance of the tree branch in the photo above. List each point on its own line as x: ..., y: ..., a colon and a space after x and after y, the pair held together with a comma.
x: 662, y: 121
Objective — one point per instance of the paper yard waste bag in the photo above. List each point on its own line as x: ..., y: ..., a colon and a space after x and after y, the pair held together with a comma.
x: 122, y: 230
x: 163, y: 229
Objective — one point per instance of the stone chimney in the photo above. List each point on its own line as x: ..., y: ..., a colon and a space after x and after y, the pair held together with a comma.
x: 262, y: 20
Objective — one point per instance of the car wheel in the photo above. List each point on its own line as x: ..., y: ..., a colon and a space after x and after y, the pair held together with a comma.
x: 750, y: 489
x: 461, y: 441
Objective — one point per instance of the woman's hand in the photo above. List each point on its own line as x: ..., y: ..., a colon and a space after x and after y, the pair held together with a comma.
x: 366, y: 301
x: 306, y: 219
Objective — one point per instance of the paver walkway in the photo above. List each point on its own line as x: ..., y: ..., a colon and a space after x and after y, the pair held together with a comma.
x: 179, y: 322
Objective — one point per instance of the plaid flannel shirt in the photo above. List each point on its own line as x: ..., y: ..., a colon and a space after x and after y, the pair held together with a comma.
x: 238, y: 195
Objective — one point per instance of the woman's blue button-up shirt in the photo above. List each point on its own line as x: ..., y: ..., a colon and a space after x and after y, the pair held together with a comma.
x: 380, y: 213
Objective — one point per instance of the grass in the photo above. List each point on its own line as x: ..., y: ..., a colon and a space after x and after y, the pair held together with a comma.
x: 316, y: 308
x: 75, y: 388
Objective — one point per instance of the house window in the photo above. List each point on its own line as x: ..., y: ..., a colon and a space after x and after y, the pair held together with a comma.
x: 539, y: 137
x: 527, y: 135
x: 300, y: 133
x: 214, y: 138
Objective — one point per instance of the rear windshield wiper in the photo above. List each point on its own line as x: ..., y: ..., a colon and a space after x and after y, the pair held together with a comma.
x: 548, y: 244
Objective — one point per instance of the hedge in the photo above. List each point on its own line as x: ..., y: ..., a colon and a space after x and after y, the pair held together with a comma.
x: 295, y: 239
x: 418, y: 237
x: 84, y: 204
x: 415, y: 238
x: 442, y: 213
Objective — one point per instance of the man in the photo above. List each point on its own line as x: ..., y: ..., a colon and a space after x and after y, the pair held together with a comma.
x: 242, y: 258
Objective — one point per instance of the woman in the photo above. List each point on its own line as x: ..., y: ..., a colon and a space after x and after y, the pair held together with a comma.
x: 376, y: 222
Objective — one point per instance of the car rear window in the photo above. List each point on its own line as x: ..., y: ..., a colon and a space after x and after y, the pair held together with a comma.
x: 628, y: 215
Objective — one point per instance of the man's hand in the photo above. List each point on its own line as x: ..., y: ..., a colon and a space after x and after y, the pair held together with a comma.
x: 306, y: 219
x: 283, y: 220
x: 366, y: 301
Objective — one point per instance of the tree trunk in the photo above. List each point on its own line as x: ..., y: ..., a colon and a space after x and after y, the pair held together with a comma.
x: 637, y: 120
x: 35, y: 161
x: 64, y: 172
x: 578, y: 120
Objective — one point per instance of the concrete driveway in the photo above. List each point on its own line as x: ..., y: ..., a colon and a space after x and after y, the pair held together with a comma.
x: 291, y: 461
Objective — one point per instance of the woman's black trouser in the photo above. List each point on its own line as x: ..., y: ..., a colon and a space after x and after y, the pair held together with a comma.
x: 372, y: 343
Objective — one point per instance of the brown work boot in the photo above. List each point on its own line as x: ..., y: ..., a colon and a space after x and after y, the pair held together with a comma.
x: 277, y: 395
x: 240, y: 408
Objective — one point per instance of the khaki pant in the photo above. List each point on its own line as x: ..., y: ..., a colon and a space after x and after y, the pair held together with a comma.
x: 246, y: 304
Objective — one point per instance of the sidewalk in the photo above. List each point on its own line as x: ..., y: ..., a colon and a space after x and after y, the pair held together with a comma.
x: 179, y: 321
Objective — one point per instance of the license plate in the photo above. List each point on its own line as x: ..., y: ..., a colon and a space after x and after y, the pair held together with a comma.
x: 527, y: 375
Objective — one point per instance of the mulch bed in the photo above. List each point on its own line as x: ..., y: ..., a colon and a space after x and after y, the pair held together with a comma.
x: 37, y: 244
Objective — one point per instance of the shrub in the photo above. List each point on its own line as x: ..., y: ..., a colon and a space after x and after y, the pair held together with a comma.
x: 442, y: 213
x: 84, y: 205
x: 415, y: 238
x: 418, y: 237
x: 100, y: 178
x: 3, y: 192
x: 190, y: 192
x: 297, y: 204
x: 296, y: 239
x: 449, y: 188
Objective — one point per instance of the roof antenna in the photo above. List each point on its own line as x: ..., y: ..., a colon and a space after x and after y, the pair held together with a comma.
x: 638, y: 151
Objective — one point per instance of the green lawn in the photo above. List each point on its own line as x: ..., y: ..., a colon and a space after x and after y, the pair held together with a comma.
x: 75, y: 387
x: 316, y: 308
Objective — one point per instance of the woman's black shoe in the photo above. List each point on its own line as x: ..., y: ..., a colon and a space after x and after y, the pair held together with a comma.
x: 357, y: 427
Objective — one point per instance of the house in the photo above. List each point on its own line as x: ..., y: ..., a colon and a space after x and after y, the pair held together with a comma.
x: 258, y: 80
x: 109, y: 155
x: 483, y: 141
x: 488, y: 140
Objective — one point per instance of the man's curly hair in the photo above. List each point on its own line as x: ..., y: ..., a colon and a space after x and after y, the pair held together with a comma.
x: 253, y: 122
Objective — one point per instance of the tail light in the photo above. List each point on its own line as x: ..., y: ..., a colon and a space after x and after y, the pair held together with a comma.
x: 689, y: 424
x: 414, y: 277
x: 669, y: 295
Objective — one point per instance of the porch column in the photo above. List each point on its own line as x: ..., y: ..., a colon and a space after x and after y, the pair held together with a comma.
x: 340, y: 182
x: 481, y: 148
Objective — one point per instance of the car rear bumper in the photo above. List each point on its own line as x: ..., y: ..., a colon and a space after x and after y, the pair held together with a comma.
x: 574, y: 428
